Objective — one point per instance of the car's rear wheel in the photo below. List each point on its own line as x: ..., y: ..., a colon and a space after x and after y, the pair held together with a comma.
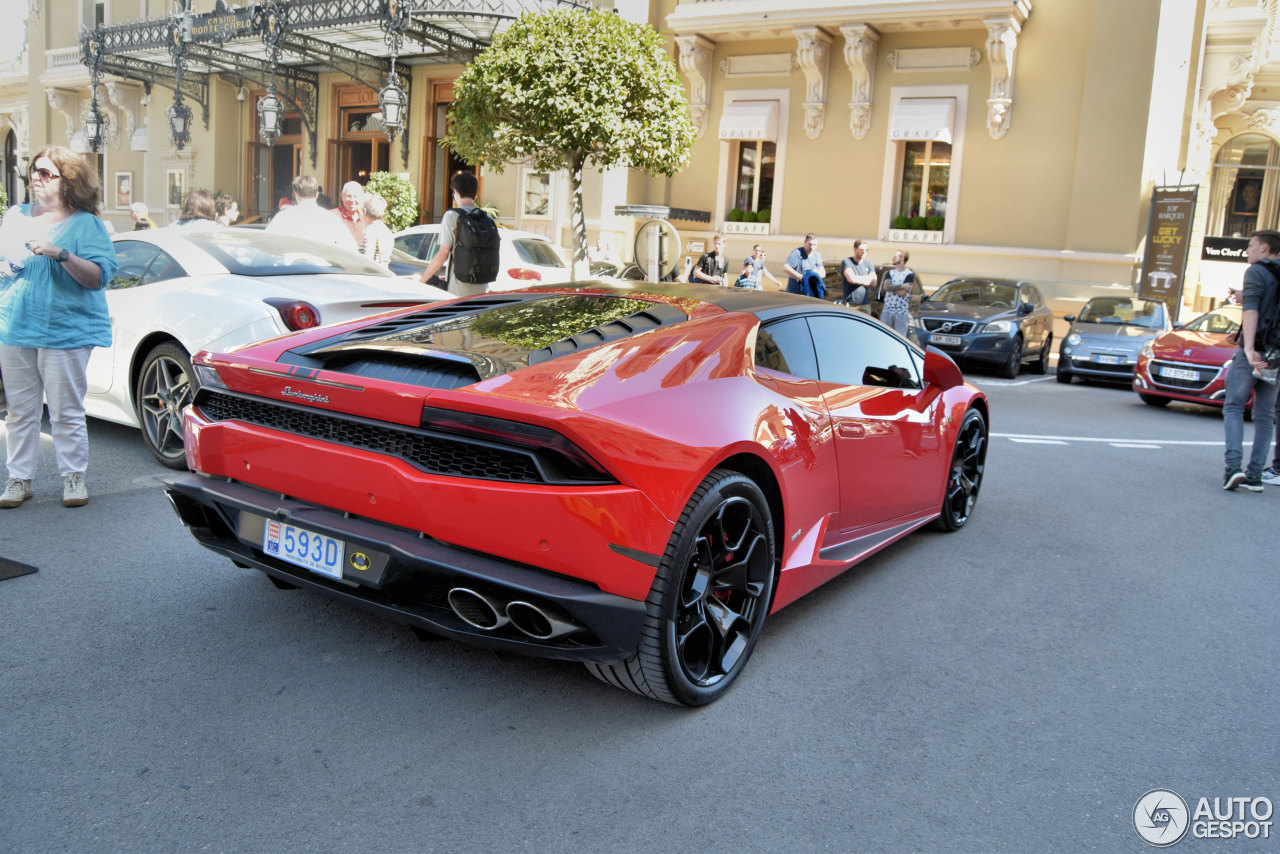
x: 1153, y: 400
x: 1041, y: 365
x: 709, y: 597
x: 968, y: 463
x: 1010, y: 368
x: 164, y: 388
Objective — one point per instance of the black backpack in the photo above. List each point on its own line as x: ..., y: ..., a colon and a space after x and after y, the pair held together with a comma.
x: 475, y: 247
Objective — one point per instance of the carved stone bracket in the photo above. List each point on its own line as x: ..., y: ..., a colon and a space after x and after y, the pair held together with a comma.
x: 1262, y: 120
x: 860, y: 42
x: 19, y: 120
x: 1002, y: 45
x: 813, y: 52
x: 128, y: 100
x: 696, y: 53
x: 66, y: 102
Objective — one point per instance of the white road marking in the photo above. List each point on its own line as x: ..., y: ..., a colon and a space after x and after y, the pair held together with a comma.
x: 1135, y: 445
x: 1038, y: 441
x: 1141, y: 442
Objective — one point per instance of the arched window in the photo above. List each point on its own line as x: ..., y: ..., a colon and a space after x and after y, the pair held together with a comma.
x: 1245, y: 193
x: 12, y: 186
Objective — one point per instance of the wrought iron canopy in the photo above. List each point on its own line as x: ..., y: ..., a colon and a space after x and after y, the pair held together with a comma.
x: 305, y: 38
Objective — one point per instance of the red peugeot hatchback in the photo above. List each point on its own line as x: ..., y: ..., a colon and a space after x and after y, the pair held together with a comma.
x: 1189, y: 363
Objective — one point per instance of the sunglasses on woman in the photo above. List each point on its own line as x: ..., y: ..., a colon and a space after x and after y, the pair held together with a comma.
x: 44, y: 174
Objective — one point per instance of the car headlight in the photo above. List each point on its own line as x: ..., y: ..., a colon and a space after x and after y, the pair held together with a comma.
x: 1005, y: 326
x: 207, y: 377
x: 1074, y: 338
x: 1148, y: 349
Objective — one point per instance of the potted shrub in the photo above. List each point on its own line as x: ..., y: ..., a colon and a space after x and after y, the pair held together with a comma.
x: 735, y: 215
x: 402, y: 199
x: 901, y: 222
x: 917, y: 223
x: 934, y: 223
x: 749, y: 216
x: 764, y: 215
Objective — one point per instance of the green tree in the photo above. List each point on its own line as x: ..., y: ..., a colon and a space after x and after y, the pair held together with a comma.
x: 402, y: 199
x: 566, y: 88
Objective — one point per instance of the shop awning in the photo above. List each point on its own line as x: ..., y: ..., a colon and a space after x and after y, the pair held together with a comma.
x: 923, y: 119
x: 750, y: 120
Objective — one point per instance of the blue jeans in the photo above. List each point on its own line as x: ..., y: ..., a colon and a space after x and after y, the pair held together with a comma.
x: 1241, y: 381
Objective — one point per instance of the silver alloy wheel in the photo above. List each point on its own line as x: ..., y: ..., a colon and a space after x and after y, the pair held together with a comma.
x: 164, y: 389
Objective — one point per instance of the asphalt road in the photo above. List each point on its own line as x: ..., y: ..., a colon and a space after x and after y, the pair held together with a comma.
x: 1104, y: 626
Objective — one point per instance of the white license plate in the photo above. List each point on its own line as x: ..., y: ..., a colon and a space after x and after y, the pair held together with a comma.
x: 1179, y: 374
x: 946, y: 340
x: 1108, y: 360
x: 316, y: 552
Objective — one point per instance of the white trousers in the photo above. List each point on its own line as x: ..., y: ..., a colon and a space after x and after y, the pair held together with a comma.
x: 31, y: 377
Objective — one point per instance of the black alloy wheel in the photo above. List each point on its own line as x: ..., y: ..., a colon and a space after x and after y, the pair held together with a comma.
x: 968, y: 463
x: 164, y: 388
x: 1010, y: 369
x: 709, y: 598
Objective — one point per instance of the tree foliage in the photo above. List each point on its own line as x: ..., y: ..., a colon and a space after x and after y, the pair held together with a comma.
x: 402, y: 199
x: 566, y: 88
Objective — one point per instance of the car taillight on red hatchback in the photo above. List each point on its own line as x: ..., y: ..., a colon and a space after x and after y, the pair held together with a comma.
x: 524, y: 274
x: 296, y: 314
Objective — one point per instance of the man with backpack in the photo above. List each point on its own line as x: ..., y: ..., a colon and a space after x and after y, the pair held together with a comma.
x: 469, y: 241
x: 1249, y: 371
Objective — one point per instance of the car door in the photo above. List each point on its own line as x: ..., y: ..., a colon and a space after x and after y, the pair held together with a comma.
x: 143, y: 265
x: 1035, y: 325
x: 885, y: 422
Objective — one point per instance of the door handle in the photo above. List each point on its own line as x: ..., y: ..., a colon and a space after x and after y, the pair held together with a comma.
x: 850, y: 430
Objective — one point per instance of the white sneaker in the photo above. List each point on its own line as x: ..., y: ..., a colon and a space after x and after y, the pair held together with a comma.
x: 15, y: 492
x: 1271, y: 476
x: 74, y: 491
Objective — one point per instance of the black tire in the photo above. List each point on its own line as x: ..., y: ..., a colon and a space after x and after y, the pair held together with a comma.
x: 164, y: 388
x: 1010, y: 368
x: 968, y: 464
x: 1153, y: 400
x: 709, y: 598
x: 1041, y: 365
x: 1063, y: 376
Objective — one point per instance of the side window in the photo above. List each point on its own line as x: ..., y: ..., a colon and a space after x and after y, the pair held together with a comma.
x: 786, y: 346
x: 408, y: 243
x: 853, y: 352
x: 143, y: 263
x: 133, y: 257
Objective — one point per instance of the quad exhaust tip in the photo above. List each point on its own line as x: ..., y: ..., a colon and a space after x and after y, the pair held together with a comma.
x: 489, y: 614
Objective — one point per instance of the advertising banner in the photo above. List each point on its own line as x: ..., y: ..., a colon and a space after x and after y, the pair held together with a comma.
x: 1164, y: 262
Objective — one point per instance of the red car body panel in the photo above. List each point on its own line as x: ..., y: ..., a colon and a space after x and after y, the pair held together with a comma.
x: 855, y: 468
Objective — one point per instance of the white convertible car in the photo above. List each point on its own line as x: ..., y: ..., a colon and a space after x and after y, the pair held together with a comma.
x: 179, y: 291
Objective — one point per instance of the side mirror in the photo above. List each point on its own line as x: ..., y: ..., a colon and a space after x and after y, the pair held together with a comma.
x: 940, y: 370
x: 1070, y: 318
x: 1026, y: 308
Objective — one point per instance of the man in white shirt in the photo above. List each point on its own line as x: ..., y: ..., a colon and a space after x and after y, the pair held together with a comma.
x: 305, y: 218
x: 464, y: 185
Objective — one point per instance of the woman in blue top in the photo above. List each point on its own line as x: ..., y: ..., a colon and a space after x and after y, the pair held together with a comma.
x: 55, y: 259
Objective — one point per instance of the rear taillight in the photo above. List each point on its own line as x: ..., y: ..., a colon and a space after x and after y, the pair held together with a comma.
x: 296, y: 314
x: 524, y: 274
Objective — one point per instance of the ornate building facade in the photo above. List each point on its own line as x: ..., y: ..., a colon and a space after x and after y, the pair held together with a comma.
x: 988, y: 137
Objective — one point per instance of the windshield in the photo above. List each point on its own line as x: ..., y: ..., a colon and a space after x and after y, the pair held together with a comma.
x: 1224, y: 320
x: 252, y: 252
x: 977, y: 292
x: 1124, y: 310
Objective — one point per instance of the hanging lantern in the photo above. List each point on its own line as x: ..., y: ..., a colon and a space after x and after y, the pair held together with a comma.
x: 269, y: 113
x: 179, y: 124
x: 94, y: 126
x: 392, y: 102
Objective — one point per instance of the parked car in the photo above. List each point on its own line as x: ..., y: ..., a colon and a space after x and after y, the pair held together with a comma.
x: 627, y: 476
x: 1190, y: 362
x: 177, y: 291
x: 526, y: 259
x: 1104, y: 341
x: 1004, y: 322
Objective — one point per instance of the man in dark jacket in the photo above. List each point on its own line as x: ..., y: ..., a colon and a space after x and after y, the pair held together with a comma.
x: 1257, y: 336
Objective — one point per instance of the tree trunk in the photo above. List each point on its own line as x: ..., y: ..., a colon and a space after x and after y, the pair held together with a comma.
x: 581, y: 269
